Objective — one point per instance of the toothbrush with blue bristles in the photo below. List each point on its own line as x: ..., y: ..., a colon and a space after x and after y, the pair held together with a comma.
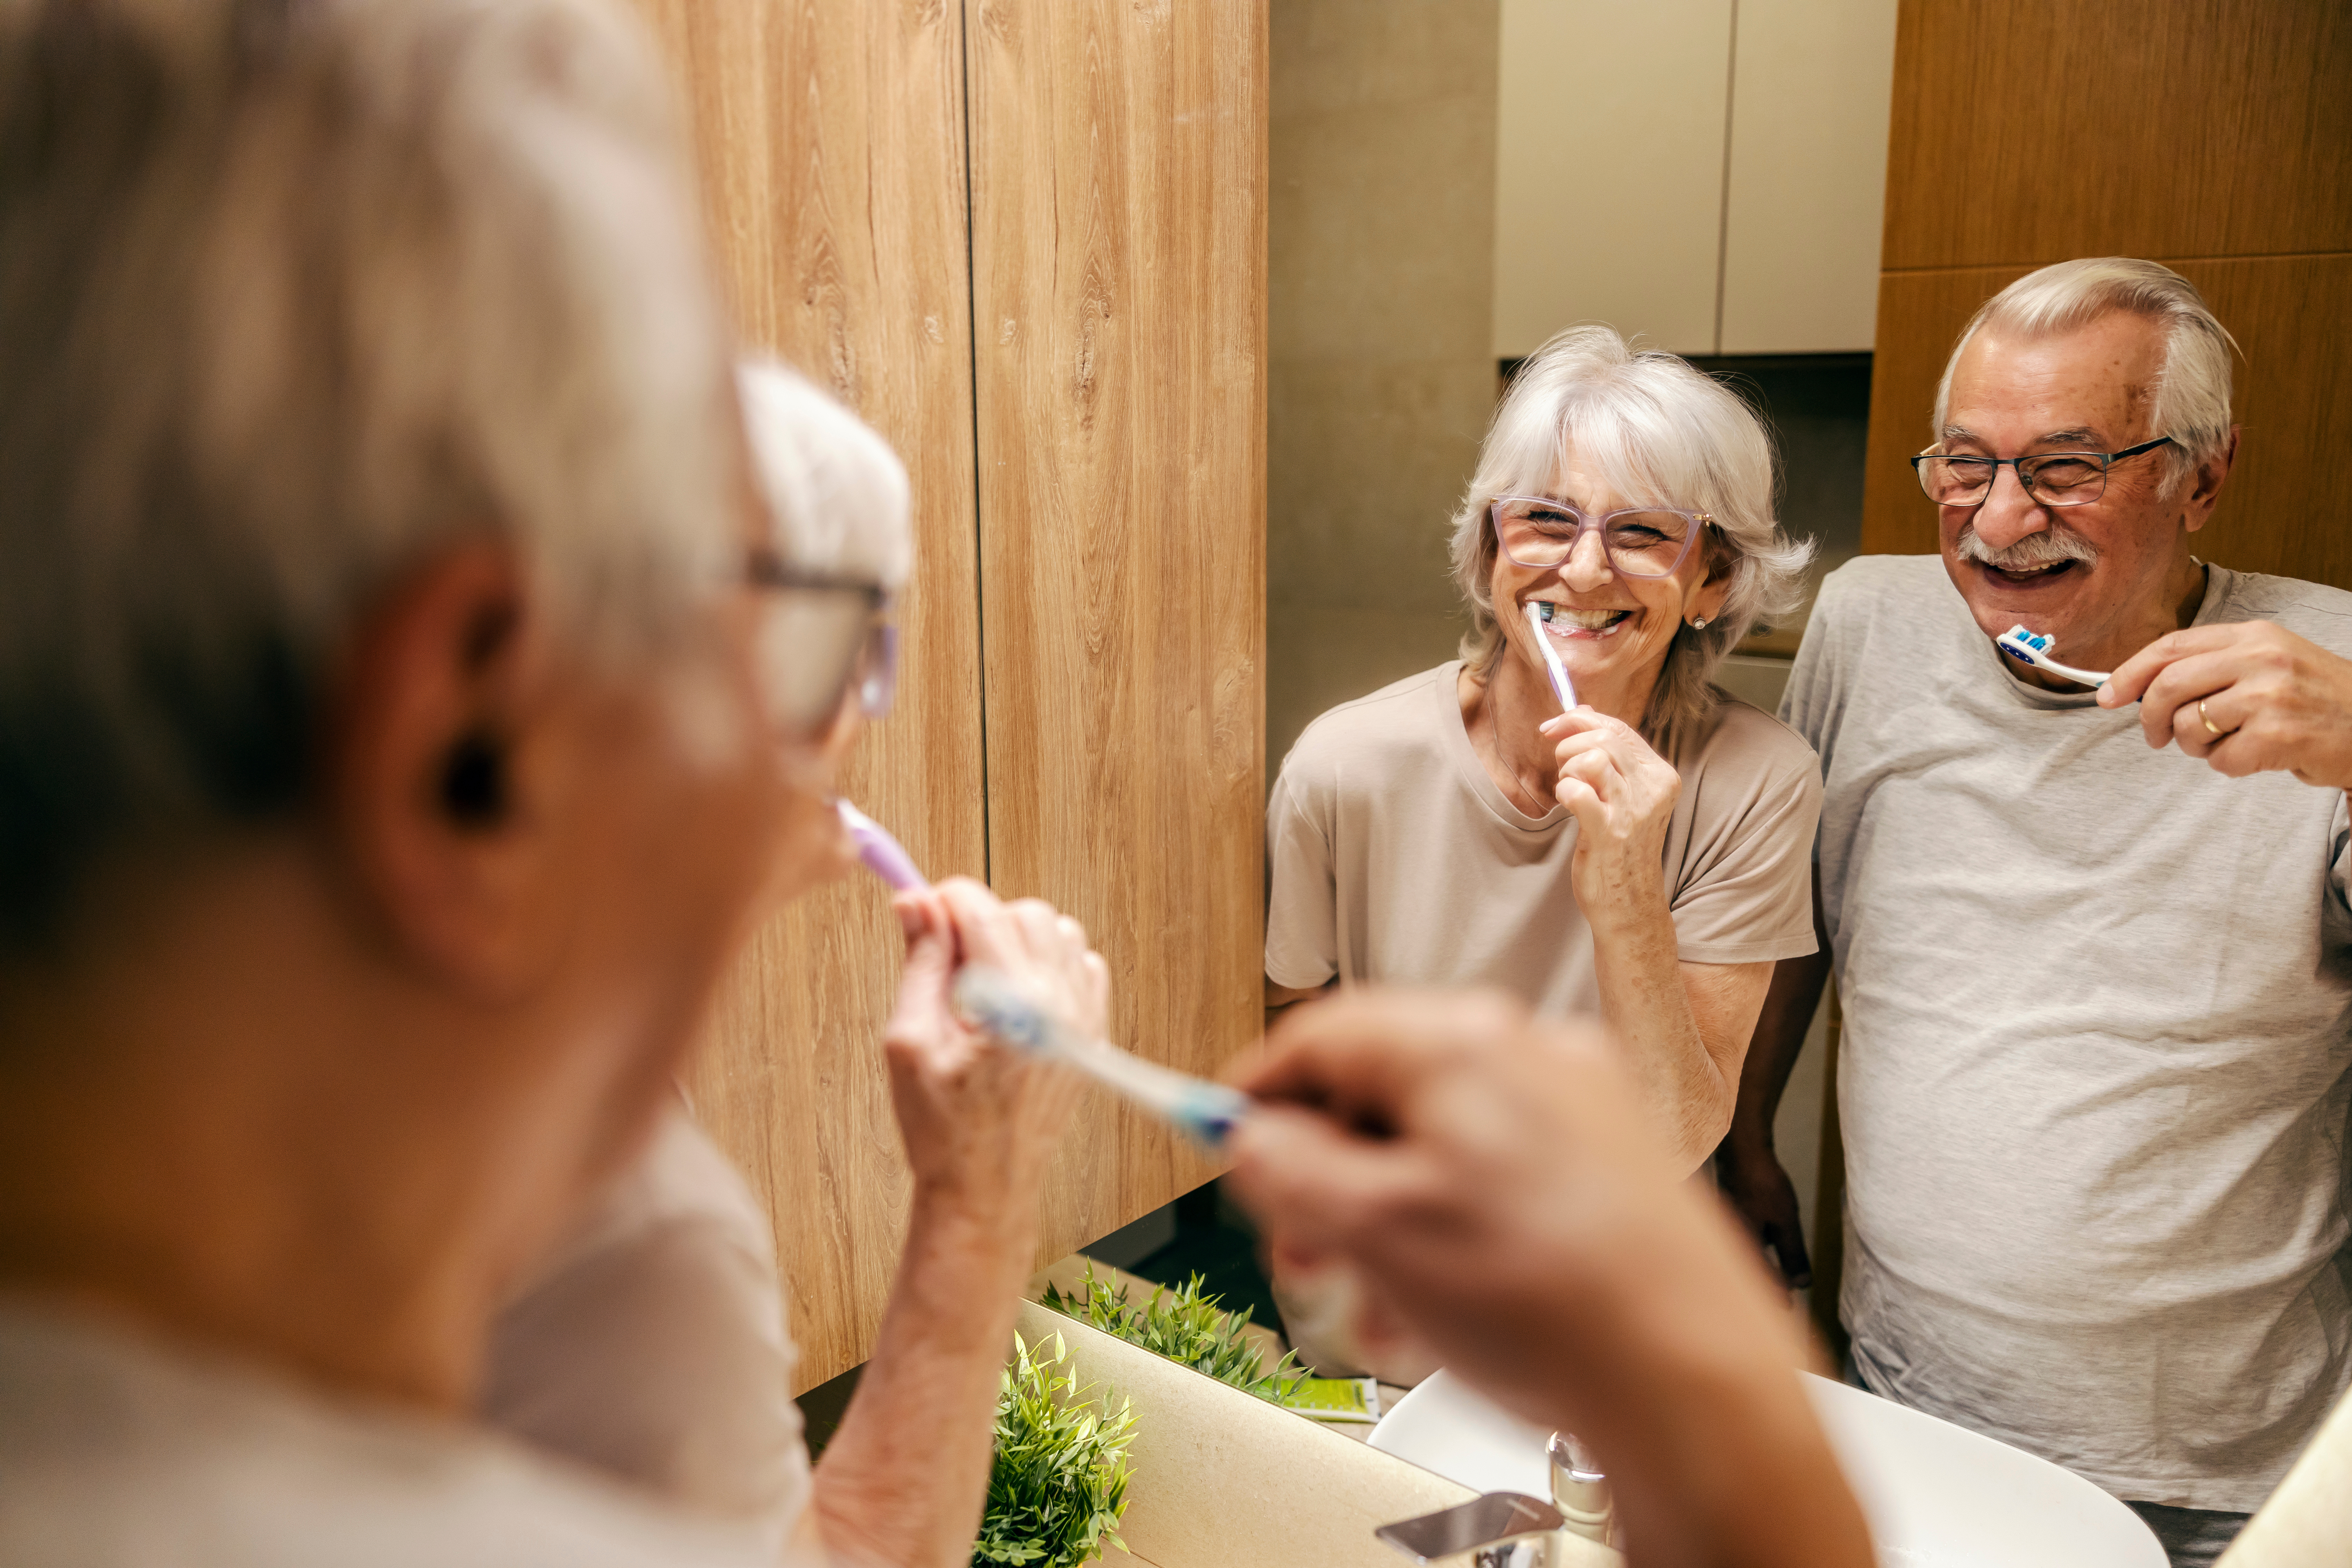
x: 989, y: 1000
x: 2033, y: 648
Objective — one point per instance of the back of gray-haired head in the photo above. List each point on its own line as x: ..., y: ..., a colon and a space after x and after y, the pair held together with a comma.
x: 2191, y: 401
x: 836, y: 489
x: 291, y: 295
x: 1659, y: 432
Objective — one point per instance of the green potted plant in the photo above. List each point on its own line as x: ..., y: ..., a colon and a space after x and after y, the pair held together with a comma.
x: 1058, y: 1483
x: 1185, y: 1326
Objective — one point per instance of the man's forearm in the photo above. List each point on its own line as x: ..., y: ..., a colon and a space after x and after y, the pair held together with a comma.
x: 902, y: 1483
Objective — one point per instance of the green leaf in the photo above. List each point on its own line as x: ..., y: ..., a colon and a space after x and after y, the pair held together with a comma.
x: 1183, y: 1325
x: 1058, y: 1484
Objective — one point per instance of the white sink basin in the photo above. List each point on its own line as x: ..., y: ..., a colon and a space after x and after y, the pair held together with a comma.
x: 1936, y: 1496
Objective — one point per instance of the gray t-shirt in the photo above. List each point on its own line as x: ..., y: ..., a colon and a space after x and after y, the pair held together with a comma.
x: 1394, y: 857
x: 2094, y: 1080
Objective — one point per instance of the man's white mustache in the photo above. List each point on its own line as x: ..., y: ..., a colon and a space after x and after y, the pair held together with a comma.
x: 2031, y: 554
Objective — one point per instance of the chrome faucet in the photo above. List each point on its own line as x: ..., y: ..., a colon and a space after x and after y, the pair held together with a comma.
x: 1511, y: 1530
x: 1581, y: 1489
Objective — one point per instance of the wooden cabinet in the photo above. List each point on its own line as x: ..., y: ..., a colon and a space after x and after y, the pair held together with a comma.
x: 1060, y: 326
x: 1706, y: 173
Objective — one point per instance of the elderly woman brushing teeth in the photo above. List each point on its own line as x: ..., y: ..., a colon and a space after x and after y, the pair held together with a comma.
x: 1648, y: 854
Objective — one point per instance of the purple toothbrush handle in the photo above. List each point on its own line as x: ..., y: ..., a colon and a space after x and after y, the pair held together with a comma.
x: 883, y: 855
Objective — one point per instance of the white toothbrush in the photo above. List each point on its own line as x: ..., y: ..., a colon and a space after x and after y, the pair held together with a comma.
x: 989, y: 1000
x: 1561, y: 684
x: 2033, y: 648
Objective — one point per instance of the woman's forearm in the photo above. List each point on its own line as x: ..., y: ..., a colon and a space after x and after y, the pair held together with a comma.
x: 1643, y: 995
x: 902, y: 1483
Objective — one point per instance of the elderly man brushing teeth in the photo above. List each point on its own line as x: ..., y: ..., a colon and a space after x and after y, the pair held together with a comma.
x: 2096, y: 1068
x: 1644, y: 856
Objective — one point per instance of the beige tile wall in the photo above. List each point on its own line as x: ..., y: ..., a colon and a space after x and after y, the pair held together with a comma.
x: 1380, y: 374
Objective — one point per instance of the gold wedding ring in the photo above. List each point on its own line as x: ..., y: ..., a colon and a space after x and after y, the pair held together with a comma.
x: 2204, y: 718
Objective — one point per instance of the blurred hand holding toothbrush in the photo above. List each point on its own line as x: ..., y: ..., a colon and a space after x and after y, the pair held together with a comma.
x: 980, y: 1123
x: 1064, y: 1029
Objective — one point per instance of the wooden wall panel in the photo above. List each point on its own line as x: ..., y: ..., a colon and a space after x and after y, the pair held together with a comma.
x: 2029, y: 131
x: 831, y: 136
x: 1119, y: 268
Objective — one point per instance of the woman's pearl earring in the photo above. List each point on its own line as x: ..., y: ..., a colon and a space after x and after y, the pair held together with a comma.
x: 1700, y: 623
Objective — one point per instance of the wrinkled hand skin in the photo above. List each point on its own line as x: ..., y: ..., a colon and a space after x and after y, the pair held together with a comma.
x: 2282, y: 704
x: 1622, y: 796
x: 1763, y: 1198
x: 979, y: 1119
x: 1492, y: 1181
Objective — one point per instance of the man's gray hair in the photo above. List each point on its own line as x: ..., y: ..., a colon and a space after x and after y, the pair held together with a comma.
x: 836, y: 492
x: 293, y: 293
x: 1661, y: 433
x: 2191, y: 401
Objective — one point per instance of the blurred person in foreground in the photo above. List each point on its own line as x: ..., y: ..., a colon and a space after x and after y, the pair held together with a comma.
x: 403, y: 710
x: 653, y: 1345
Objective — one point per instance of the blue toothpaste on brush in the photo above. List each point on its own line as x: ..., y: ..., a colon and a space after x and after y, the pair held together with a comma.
x: 990, y: 1001
x: 2033, y: 648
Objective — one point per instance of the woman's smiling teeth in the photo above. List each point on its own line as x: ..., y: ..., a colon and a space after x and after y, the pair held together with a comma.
x: 1562, y: 621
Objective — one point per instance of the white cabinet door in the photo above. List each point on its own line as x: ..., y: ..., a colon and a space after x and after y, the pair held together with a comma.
x: 1810, y: 99
x: 1609, y: 180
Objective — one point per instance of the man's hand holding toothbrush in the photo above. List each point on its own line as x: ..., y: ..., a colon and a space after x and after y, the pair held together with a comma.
x: 2246, y: 697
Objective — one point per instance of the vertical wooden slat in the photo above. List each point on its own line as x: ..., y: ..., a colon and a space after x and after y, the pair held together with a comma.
x: 1118, y: 179
x: 831, y: 138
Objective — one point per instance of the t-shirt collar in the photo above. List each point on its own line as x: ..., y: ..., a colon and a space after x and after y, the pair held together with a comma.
x: 1447, y: 691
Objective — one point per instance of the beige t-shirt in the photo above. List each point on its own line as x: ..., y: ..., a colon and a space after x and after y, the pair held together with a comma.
x: 121, y: 1448
x: 653, y: 1345
x: 1394, y: 857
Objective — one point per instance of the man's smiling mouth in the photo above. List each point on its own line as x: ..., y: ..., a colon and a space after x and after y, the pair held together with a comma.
x: 1561, y: 621
x: 2027, y: 575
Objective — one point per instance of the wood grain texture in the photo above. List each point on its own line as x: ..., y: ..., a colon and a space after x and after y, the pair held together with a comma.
x: 2024, y: 133
x: 831, y: 139
x: 2283, y: 509
x: 1118, y: 266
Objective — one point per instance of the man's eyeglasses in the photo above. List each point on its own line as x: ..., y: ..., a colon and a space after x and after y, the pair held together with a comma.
x: 820, y: 635
x: 2053, y: 479
x: 1641, y: 541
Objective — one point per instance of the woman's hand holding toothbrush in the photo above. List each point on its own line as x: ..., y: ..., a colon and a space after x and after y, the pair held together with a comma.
x: 981, y: 1120
x: 1623, y: 795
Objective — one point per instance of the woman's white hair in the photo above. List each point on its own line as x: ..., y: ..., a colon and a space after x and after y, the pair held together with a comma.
x: 1660, y: 434
x: 836, y: 489
x: 2192, y: 391
x: 294, y: 292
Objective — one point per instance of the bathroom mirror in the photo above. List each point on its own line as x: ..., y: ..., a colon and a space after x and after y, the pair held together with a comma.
x: 1451, y: 182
